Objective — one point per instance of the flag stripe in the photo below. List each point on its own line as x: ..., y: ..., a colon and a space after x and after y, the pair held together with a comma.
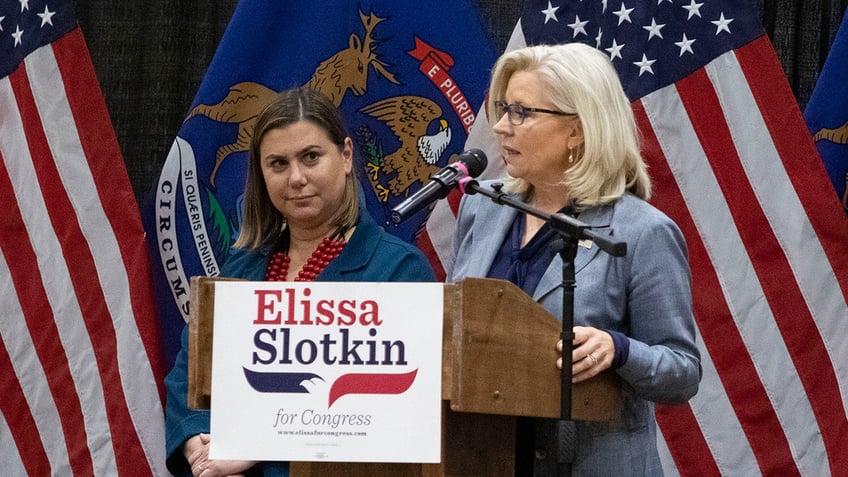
x: 10, y: 459
x: 819, y: 248
x: 31, y: 291
x: 37, y: 315
x: 87, y: 107
x: 783, y: 283
x: 426, y: 246
x: 674, y: 422
x: 779, y: 380
x: 784, y: 302
x: 713, y: 313
x: 34, y: 385
x: 81, y: 267
x: 710, y: 408
x: 721, y: 266
x: 437, y: 240
x: 22, y: 430
x: 77, y: 251
x: 697, y: 453
x: 118, y: 238
x: 83, y: 390
x: 79, y: 329
x: 804, y: 167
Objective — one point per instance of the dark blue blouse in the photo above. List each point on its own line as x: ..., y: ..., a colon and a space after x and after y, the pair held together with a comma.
x: 524, y: 266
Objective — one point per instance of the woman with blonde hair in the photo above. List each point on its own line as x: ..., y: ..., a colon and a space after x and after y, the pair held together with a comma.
x: 570, y: 144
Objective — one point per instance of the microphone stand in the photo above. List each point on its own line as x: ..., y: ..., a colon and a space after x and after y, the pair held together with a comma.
x: 571, y: 231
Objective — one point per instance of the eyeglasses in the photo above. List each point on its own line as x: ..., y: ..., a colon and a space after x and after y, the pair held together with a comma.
x: 518, y: 113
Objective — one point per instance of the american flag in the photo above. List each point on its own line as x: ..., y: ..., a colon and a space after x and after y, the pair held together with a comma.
x: 79, y: 365
x: 734, y: 166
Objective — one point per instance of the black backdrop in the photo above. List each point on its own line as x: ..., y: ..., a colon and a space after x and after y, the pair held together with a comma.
x: 150, y: 57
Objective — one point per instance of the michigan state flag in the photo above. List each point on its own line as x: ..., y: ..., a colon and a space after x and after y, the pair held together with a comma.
x: 409, y: 78
x: 827, y: 114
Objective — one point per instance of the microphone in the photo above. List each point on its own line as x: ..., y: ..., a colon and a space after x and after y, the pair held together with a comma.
x: 470, y: 163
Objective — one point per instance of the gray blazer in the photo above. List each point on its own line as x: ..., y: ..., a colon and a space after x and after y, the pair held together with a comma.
x: 646, y: 295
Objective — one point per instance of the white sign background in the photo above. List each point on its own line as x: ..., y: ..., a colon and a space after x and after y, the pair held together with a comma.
x: 372, y: 425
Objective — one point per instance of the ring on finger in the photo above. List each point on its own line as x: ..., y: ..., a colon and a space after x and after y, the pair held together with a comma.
x: 593, y: 358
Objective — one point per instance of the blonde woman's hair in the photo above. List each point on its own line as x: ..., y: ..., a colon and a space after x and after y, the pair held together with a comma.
x: 262, y: 223
x: 581, y: 80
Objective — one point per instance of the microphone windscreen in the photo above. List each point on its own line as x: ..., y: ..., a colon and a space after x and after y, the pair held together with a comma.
x: 475, y: 161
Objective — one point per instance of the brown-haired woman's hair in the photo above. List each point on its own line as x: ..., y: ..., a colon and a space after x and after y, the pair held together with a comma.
x: 262, y: 223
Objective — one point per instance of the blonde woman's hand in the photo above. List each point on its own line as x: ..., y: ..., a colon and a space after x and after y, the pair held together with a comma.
x: 593, y: 352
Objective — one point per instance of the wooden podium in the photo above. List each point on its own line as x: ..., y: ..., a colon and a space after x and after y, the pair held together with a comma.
x: 498, y: 355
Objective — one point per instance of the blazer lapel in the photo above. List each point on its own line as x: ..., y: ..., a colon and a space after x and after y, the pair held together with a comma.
x: 600, y: 218
x: 491, y: 230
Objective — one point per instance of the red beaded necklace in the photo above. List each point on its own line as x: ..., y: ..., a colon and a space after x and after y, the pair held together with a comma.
x: 327, y: 250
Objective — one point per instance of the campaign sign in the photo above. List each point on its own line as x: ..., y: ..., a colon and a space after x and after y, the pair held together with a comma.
x: 327, y: 371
